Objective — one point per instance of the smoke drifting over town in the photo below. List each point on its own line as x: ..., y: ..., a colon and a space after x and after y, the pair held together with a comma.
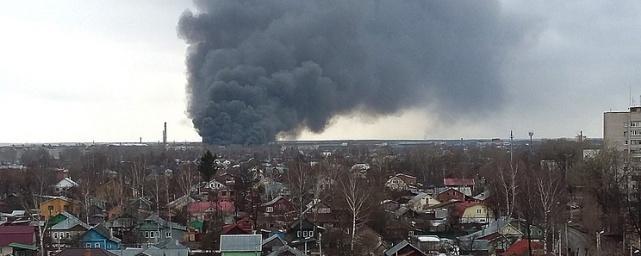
x: 259, y: 69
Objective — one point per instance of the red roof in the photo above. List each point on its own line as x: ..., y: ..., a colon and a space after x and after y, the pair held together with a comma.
x: 17, y: 234
x: 238, y: 229
x: 458, y: 182
x: 521, y: 248
x: 201, y: 207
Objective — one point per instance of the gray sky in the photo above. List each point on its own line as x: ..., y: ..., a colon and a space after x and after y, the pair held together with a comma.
x: 114, y: 71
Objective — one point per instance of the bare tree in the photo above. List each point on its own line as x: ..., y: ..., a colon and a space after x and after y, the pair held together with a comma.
x: 186, y: 178
x: 356, y: 192
x: 549, y: 187
x: 31, y: 202
x: 508, y: 183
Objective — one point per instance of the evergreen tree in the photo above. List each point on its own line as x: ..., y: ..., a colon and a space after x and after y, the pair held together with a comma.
x: 207, y: 167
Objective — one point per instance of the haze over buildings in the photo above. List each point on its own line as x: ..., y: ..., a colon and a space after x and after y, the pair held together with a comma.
x: 85, y: 70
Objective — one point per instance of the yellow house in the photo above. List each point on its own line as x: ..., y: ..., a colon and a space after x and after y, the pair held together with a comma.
x: 472, y: 212
x: 55, y: 206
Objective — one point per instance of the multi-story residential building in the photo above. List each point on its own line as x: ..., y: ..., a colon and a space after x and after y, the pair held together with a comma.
x: 622, y: 129
x: 622, y: 132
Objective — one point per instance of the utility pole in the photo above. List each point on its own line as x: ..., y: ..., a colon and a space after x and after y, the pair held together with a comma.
x: 511, y: 146
x: 531, y: 146
x: 168, y: 209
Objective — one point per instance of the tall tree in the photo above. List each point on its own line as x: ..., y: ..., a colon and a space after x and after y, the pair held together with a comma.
x: 207, y: 166
x: 550, y: 186
x: 357, y: 192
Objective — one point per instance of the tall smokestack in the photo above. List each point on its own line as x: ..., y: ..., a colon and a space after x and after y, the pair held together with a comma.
x: 164, y: 135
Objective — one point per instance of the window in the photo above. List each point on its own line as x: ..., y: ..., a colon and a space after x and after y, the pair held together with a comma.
x: 146, y: 234
x: 167, y: 234
x: 478, y: 210
x: 298, y: 234
x: 310, y: 233
x: 50, y: 208
x: 88, y: 245
x: 305, y: 234
x: 55, y: 235
x: 96, y: 245
x: 67, y: 234
x: 152, y: 234
x: 270, y: 209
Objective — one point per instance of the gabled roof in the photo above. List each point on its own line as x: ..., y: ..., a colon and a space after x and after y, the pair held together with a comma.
x: 66, y: 183
x: 181, y: 201
x: 228, y: 228
x: 155, y: 218
x: 274, y: 237
x: 489, y: 229
x: 306, y: 223
x: 31, y: 247
x: 482, y: 196
x: 100, y: 229
x: 458, y: 182
x: 286, y: 249
x: 69, y: 222
x: 167, y: 247
x: 275, y: 200
x: 241, y: 243
x: 396, y: 248
x: 420, y: 196
x: 85, y: 251
x: 520, y: 247
x: 51, y: 198
x: 18, y: 234
x: 460, y: 207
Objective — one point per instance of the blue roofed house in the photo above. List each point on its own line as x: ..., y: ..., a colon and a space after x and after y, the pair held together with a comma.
x: 99, y: 237
x: 241, y: 245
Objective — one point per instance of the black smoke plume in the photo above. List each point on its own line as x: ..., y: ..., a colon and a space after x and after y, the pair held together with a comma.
x: 258, y: 69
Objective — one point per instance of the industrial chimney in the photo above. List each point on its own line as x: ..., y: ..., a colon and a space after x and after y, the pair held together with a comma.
x: 164, y: 135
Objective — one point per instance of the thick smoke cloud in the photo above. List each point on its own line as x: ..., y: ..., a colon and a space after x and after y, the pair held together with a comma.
x: 258, y: 69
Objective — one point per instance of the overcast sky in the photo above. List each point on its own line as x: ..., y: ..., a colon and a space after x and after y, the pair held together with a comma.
x: 114, y: 71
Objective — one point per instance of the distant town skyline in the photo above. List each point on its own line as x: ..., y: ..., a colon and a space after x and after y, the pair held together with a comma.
x: 82, y: 71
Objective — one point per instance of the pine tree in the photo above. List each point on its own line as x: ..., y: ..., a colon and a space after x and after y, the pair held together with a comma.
x: 207, y: 167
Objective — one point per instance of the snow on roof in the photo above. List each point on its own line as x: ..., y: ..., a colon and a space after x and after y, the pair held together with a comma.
x: 428, y: 239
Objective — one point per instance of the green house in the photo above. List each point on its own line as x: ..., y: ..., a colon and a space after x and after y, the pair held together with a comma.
x: 241, y: 245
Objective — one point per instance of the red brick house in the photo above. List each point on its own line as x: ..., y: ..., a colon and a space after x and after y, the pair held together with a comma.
x: 276, y: 214
x: 277, y: 206
x: 450, y: 194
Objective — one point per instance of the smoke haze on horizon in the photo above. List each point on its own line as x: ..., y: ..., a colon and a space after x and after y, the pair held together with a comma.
x: 258, y: 70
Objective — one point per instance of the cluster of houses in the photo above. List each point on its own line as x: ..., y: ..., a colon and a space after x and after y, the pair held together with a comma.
x: 452, y: 218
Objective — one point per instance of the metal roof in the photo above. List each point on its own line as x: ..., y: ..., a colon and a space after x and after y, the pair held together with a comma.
x: 69, y: 222
x: 241, y: 243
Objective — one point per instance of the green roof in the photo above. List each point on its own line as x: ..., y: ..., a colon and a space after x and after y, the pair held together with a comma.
x: 24, y: 246
x: 196, y: 224
x: 56, y: 219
